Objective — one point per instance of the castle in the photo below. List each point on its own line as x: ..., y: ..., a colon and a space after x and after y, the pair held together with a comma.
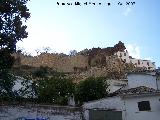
x: 111, y: 61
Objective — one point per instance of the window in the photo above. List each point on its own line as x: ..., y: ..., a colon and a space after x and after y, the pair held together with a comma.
x: 124, y: 60
x: 138, y: 62
x: 144, y: 106
x: 124, y: 54
x: 120, y: 55
x: 148, y: 63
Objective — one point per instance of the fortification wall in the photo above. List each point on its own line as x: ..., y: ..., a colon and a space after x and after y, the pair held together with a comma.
x: 55, y: 61
x: 93, y: 62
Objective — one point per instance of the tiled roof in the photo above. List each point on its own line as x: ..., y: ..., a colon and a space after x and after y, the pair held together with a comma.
x: 158, y: 72
x: 146, y: 72
x: 137, y: 90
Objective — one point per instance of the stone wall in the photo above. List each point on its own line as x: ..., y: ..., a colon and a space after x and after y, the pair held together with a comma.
x: 55, y: 61
x: 80, y: 62
x: 39, y: 112
x: 98, y: 62
x: 114, y: 68
x: 78, y: 66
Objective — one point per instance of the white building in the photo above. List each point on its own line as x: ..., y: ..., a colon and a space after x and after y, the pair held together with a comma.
x: 114, y: 84
x: 135, y: 79
x: 140, y: 103
x: 139, y: 100
x: 148, y: 79
x: 146, y: 64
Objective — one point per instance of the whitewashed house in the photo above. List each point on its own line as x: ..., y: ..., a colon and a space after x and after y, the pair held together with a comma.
x: 115, y: 84
x: 146, y: 64
x: 139, y: 100
x: 135, y: 79
x: 148, y: 79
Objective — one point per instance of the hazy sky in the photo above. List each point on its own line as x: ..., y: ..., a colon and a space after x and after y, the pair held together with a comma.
x: 64, y: 28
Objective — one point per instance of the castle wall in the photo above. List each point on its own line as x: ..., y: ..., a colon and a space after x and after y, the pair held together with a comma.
x: 55, y: 61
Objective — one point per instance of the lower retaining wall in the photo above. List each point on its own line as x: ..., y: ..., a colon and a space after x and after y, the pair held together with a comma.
x: 39, y: 112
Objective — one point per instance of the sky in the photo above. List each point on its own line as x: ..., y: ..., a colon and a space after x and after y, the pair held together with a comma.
x: 77, y: 27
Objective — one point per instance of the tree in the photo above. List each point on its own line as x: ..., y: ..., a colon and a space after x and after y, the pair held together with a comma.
x: 55, y: 90
x: 91, y: 89
x: 72, y: 52
x: 46, y: 49
x: 44, y: 72
x: 6, y: 84
x: 41, y: 72
x: 13, y: 13
x: 37, y: 51
x: 28, y: 89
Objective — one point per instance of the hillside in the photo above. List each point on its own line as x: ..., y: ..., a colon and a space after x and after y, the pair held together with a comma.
x: 86, y: 63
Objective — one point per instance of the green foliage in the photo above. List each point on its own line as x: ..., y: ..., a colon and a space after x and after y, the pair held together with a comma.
x: 28, y: 89
x: 91, y: 89
x: 55, y: 90
x: 6, y: 84
x: 13, y: 13
x: 6, y: 60
x: 41, y: 72
x: 45, y: 72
